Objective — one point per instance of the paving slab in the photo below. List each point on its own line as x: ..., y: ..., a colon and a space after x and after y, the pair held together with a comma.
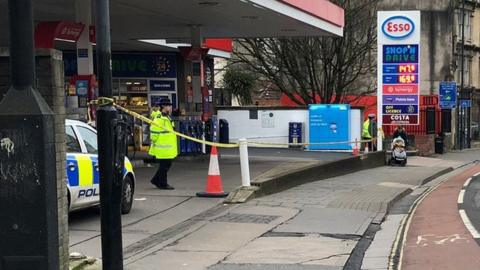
x: 328, y: 220
x: 220, y: 237
x: 176, y: 260
x: 433, y: 162
x: 93, y: 247
x: 166, y: 219
x: 315, y: 250
x: 271, y: 266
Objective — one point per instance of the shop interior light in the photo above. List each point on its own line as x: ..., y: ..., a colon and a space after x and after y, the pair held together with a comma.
x: 128, y: 83
x: 136, y: 83
x: 65, y: 40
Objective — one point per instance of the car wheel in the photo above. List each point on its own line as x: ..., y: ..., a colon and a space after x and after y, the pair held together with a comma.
x: 127, y: 195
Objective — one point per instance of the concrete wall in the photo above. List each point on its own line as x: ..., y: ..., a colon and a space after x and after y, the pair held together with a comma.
x: 264, y: 129
x: 50, y: 84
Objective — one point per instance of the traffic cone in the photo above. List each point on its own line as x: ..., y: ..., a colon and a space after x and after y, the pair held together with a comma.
x: 356, y: 151
x: 214, y: 188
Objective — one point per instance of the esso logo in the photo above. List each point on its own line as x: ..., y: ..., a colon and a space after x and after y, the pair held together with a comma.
x: 398, y: 27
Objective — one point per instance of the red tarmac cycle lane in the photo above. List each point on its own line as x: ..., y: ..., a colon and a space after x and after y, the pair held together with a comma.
x: 437, y: 237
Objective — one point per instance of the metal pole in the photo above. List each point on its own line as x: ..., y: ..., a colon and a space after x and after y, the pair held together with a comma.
x: 245, y: 167
x: 110, y: 186
x: 462, y: 80
x: 22, y: 55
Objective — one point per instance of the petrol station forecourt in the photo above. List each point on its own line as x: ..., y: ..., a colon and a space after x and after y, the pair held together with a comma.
x: 302, y: 210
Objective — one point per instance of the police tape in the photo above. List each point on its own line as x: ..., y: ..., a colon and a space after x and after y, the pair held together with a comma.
x: 104, y: 101
x: 251, y: 143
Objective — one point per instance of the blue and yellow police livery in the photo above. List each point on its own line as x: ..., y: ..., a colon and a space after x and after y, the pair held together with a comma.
x: 82, y: 169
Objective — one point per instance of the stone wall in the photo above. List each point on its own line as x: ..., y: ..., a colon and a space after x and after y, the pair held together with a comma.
x: 425, y: 144
x: 50, y: 83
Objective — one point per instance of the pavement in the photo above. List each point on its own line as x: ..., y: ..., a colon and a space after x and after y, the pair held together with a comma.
x: 337, y: 223
x: 156, y: 211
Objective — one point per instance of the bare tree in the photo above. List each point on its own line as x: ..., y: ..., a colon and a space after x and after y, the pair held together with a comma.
x: 319, y: 68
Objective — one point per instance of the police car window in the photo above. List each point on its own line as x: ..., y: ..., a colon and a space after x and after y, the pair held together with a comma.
x: 72, y: 142
x: 90, y: 139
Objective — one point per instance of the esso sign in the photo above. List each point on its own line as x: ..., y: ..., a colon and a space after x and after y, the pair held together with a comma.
x: 398, y: 27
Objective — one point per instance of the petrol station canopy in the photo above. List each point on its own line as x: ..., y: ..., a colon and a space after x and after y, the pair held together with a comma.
x: 172, y: 20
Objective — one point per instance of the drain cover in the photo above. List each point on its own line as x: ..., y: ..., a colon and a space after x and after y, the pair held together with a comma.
x: 246, y: 218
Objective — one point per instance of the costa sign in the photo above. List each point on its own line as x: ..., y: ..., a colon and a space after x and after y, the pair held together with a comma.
x: 398, y: 27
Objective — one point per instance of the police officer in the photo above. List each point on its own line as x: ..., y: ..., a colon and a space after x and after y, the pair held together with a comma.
x: 155, y: 110
x: 163, y: 144
x: 369, y: 131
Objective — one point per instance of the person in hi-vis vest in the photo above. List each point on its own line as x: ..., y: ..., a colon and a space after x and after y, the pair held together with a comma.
x: 369, y: 131
x: 163, y: 144
x: 155, y: 111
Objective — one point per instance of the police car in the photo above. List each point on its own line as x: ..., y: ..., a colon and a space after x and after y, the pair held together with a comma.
x: 82, y: 169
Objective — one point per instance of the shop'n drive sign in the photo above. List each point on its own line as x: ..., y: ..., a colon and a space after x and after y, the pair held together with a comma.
x: 398, y: 67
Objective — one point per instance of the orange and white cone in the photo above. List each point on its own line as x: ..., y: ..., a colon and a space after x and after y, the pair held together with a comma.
x: 214, y: 187
x: 356, y: 151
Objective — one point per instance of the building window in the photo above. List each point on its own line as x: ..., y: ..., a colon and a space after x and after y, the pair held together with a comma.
x: 468, y: 25
x: 467, y: 70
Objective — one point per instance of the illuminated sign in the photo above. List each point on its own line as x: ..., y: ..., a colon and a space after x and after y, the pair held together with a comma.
x: 400, y: 109
x: 400, y: 79
x: 400, y: 54
x: 400, y: 89
x: 399, y: 119
x: 398, y: 67
x: 400, y: 99
x: 398, y: 27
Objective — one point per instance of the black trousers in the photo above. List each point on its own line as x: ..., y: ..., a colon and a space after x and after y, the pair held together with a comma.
x: 371, y: 145
x: 160, y: 177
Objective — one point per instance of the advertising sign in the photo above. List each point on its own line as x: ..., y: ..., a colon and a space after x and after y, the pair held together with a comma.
x: 82, y: 87
x: 132, y: 65
x: 448, y: 95
x: 162, y: 85
x: 398, y: 67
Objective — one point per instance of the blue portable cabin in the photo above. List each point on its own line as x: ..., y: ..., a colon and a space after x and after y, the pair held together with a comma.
x: 329, y: 123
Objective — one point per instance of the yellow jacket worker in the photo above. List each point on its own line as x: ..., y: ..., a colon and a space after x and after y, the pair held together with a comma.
x: 163, y: 144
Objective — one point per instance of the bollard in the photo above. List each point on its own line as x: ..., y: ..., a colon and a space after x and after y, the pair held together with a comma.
x: 245, y: 168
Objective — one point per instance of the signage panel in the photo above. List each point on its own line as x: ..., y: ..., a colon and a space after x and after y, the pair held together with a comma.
x: 400, y: 119
x: 400, y: 89
x: 400, y: 109
x: 448, y: 95
x: 162, y: 85
x: 400, y: 99
x: 398, y: 67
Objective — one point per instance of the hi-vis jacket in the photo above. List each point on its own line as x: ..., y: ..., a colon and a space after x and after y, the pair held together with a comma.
x: 163, y: 144
x: 366, y: 130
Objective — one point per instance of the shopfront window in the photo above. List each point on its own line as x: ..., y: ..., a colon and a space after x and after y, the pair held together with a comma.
x: 133, y: 94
